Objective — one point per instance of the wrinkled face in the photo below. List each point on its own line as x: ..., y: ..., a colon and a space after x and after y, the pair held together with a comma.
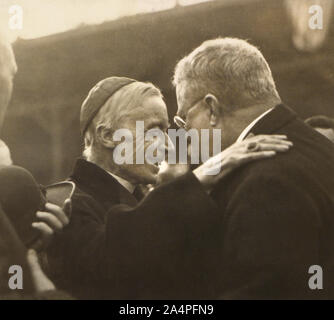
x: 8, y: 69
x: 153, y: 117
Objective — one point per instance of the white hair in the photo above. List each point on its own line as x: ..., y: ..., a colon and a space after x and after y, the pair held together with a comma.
x: 115, y: 109
x: 232, y: 69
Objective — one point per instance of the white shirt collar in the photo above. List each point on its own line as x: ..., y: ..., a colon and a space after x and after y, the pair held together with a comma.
x: 125, y: 183
x: 246, y: 131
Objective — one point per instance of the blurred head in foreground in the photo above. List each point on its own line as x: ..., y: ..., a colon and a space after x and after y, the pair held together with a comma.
x: 12, y: 253
x: 323, y: 125
x: 8, y: 69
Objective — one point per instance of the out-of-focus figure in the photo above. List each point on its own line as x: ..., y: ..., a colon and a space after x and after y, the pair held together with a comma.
x: 46, y: 221
x: 310, y: 21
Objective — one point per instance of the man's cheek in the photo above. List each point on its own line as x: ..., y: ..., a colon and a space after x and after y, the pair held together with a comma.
x: 148, y: 153
x: 154, y: 151
x: 198, y: 122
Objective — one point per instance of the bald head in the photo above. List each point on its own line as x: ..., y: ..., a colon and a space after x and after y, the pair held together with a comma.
x: 8, y: 69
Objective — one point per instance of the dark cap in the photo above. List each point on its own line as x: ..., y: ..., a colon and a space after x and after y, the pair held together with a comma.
x: 98, y: 96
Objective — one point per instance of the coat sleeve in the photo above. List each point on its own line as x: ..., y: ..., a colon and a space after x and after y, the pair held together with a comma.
x: 271, y: 238
x: 165, y: 247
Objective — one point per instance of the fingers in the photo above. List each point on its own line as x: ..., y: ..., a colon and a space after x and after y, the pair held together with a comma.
x: 59, y: 212
x: 265, y: 146
x: 275, y: 141
x: 262, y: 143
x: 52, y: 221
x: 270, y: 141
x: 261, y: 137
x: 43, y: 228
x: 40, y: 280
x: 238, y: 153
x: 49, y: 222
x: 68, y: 209
x: 46, y: 235
x: 272, y: 147
x: 256, y: 155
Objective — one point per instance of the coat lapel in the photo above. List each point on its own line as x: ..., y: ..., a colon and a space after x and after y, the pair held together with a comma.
x: 96, y: 181
x: 274, y: 120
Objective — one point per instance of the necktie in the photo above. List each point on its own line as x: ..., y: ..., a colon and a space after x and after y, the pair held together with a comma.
x: 140, y: 192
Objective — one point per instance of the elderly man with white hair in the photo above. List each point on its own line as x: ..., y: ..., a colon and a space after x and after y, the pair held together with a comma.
x: 277, y: 221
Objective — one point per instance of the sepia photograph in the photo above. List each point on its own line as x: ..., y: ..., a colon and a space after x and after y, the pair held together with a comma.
x: 166, y: 154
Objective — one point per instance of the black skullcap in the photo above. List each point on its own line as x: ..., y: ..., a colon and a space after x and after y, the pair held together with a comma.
x: 98, y: 96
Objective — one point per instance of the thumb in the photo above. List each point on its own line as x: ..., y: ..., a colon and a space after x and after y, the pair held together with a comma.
x: 68, y: 207
x: 250, y: 135
x: 33, y: 259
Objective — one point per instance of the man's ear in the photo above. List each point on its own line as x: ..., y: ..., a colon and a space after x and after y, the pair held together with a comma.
x: 213, y: 103
x: 104, y: 136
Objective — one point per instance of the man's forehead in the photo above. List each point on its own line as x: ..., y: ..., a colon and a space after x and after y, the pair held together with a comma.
x: 185, y: 97
x: 153, y: 114
x: 149, y: 110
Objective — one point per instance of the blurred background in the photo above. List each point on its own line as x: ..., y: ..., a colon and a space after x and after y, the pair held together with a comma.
x: 66, y: 46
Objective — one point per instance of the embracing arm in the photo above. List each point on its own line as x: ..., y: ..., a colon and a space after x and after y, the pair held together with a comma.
x: 166, y: 245
x: 157, y: 249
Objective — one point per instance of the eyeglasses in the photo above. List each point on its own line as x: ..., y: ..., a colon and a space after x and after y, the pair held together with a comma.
x: 181, y: 123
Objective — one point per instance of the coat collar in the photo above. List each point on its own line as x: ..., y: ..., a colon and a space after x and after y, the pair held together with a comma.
x: 99, y: 183
x: 274, y: 120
